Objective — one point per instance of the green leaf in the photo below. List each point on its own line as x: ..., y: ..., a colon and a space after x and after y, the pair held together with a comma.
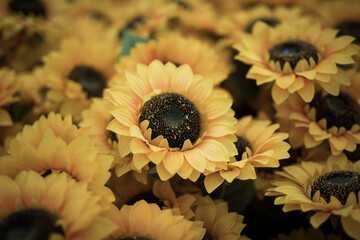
x: 129, y: 41
x: 239, y: 194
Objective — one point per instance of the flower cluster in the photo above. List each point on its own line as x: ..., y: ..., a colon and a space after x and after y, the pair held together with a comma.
x: 179, y: 119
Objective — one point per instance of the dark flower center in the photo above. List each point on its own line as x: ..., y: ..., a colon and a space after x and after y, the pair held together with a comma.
x: 28, y: 7
x: 241, y: 145
x: 339, y: 111
x: 272, y: 22
x: 111, y: 135
x: 338, y: 184
x: 149, y: 197
x: 350, y: 28
x: 29, y: 224
x: 101, y: 17
x: 293, y: 51
x: 92, y: 81
x: 173, y: 116
x: 132, y: 24
x: 18, y: 110
x: 183, y: 4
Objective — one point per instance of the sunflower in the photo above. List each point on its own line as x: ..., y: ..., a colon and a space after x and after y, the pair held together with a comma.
x: 53, y: 145
x: 172, y: 118
x: 295, y: 58
x: 334, y: 119
x: 331, y: 188
x: 148, y: 221
x: 54, y: 207
x: 201, y: 57
x: 8, y: 87
x: 258, y: 145
x: 219, y: 222
x: 78, y: 71
x: 233, y: 25
x: 128, y: 190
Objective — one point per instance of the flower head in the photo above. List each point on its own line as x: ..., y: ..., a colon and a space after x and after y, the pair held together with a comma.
x: 55, y: 206
x: 331, y: 188
x: 172, y: 118
x: 295, y: 58
x: 258, y: 145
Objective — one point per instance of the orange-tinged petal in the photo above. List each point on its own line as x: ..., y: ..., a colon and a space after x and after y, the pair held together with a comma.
x: 137, y: 84
x: 182, y: 78
x: 196, y: 159
x: 279, y: 95
x: 157, y: 76
x: 285, y: 81
x: 173, y: 161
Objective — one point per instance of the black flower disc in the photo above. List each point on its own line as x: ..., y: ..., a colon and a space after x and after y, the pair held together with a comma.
x: 293, y: 51
x: 29, y: 224
x: 339, y: 111
x: 338, y: 184
x: 272, y: 22
x: 241, y: 145
x: 27, y: 7
x: 173, y: 116
x: 92, y: 81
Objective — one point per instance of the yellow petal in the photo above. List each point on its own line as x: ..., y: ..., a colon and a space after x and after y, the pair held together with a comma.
x: 279, y: 95
x: 182, y: 78
x: 157, y: 76
x: 212, y: 181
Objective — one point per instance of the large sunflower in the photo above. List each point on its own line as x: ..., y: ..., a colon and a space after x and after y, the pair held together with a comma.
x: 258, y: 145
x: 56, y: 145
x: 220, y: 224
x: 172, y: 118
x: 148, y: 221
x: 296, y: 57
x: 334, y: 119
x: 8, y: 87
x: 79, y: 71
x: 331, y: 188
x: 54, y: 207
x: 201, y: 57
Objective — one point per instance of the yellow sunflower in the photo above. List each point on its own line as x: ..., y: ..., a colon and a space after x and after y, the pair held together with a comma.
x: 258, y: 145
x: 201, y: 57
x: 220, y: 224
x: 54, y: 145
x: 8, y: 87
x: 233, y: 25
x: 128, y: 190
x: 334, y: 119
x: 148, y: 221
x: 54, y: 207
x: 80, y: 70
x: 330, y: 188
x: 172, y: 118
x: 296, y: 57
